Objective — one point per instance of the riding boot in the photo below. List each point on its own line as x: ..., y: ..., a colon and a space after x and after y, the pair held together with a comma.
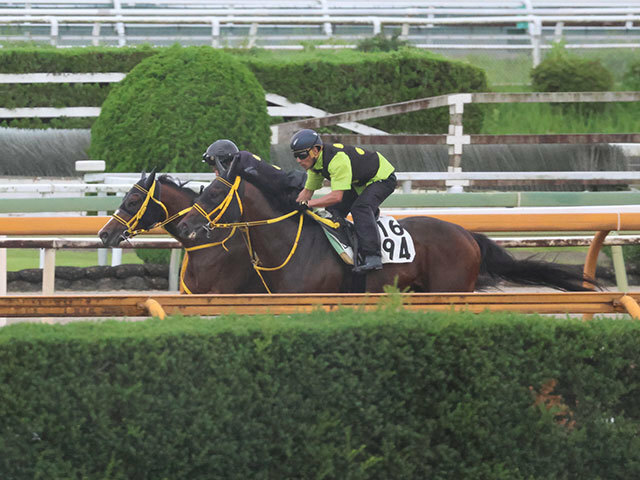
x: 371, y: 262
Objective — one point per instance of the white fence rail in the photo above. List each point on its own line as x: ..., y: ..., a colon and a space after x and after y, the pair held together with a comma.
x: 514, y: 25
x: 120, y: 183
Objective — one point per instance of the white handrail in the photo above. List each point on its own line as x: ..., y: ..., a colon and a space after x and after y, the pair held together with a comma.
x: 196, y: 178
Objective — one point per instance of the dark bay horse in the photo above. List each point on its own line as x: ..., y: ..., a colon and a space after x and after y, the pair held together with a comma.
x: 162, y: 202
x: 300, y: 258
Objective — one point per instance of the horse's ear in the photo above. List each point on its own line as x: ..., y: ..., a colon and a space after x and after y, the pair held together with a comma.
x: 151, y: 178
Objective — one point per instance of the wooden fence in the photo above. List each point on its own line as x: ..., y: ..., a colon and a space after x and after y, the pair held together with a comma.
x: 84, y: 306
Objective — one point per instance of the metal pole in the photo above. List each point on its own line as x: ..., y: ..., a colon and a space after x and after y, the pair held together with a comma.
x: 619, y: 268
x: 174, y: 269
x: 49, y: 271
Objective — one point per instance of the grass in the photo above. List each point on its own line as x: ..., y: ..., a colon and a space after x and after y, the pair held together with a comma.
x: 19, y: 258
x: 544, y: 118
x: 511, y: 73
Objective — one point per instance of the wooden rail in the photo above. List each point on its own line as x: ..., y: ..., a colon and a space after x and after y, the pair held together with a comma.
x: 160, y: 305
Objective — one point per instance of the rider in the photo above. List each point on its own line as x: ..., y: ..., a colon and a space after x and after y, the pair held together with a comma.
x: 360, y: 181
x: 269, y: 178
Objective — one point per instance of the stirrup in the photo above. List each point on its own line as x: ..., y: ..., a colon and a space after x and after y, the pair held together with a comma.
x: 371, y: 263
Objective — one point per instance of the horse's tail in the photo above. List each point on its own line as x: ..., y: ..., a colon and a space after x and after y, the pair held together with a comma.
x: 498, y: 264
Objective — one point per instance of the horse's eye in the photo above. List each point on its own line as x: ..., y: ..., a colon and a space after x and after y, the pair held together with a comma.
x: 132, y: 201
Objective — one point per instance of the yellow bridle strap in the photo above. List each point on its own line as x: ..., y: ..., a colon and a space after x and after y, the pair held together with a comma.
x: 132, y: 223
x: 233, y: 190
x: 185, y: 262
x: 135, y: 219
x: 215, y: 244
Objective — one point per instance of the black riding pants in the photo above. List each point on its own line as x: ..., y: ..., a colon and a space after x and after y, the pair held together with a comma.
x: 365, y: 209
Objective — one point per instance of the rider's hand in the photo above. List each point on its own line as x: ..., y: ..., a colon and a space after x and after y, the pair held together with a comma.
x: 302, y: 206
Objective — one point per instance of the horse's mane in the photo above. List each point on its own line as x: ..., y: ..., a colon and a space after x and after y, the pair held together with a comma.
x: 168, y: 180
x: 280, y: 189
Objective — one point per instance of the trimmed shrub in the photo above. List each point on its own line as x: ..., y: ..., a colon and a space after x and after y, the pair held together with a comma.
x: 563, y: 72
x: 154, y: 255
x: 381, y: 43
x: 171, y: 106
x: 349, y: 80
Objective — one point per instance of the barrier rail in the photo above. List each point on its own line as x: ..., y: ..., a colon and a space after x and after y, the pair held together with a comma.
x: 602, y: 220
x: 160, y: 305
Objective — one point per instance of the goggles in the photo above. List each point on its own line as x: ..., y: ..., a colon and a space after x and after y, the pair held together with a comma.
x: 302, y: 154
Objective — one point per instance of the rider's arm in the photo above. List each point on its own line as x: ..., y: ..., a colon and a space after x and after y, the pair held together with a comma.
x: 327, y: 200
x: 304, y: 195
x: 340, y: 173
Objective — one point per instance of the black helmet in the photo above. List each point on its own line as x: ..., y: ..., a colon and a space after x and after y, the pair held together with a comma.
x: 221, y: 150
x: 304, y: 140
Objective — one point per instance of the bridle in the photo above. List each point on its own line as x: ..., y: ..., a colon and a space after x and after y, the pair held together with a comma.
x: 134, y: 221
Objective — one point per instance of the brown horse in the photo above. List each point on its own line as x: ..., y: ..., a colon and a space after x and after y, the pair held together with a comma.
x: 297, y: 256
x: 160, y: 201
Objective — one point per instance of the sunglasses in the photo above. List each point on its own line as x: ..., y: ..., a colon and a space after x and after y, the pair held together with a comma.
x: 302, y: 154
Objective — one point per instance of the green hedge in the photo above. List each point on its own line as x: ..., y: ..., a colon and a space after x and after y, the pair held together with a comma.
x: 337, y: 82
x: 387, y: 394
x: 350, y: 80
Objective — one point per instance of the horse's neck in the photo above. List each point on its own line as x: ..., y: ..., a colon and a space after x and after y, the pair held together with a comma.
x: 274, y: 238
x: 257, y: 207
x: 175, y: 200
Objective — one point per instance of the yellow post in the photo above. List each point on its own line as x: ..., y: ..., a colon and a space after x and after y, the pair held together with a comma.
x: 154, y: 308
x: 631, y: 305
x: 591, y: 262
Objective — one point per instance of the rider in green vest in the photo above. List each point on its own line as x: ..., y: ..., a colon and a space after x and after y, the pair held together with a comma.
x: 360, y: 181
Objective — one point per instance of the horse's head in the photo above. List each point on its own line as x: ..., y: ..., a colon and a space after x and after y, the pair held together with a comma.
x: 140, y: 210
x: 220, y: 202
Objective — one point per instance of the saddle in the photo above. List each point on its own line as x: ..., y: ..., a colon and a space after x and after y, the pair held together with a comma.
x: 397, y: 244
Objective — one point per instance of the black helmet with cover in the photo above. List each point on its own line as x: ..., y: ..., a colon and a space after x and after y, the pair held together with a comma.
x: 220, y: 150
x: 304, y: 140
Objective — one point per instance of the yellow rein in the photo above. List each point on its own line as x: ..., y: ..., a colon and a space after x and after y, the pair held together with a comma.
x: 183, y: 269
